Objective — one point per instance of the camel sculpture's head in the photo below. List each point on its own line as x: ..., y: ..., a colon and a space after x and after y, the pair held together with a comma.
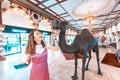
x: 57, y: 24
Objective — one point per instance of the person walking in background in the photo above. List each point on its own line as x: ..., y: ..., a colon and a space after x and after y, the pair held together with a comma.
x: 36, y: 51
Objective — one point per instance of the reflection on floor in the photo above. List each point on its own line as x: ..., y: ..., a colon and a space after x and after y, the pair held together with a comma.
x: 59, y: 68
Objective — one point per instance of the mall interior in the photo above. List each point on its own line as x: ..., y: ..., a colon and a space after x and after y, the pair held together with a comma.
x: 19, y: 17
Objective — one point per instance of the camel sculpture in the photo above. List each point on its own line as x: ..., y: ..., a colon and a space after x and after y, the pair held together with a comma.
x: 83, y: 44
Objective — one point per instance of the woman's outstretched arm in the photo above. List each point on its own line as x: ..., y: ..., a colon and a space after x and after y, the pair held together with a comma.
x: 55, y: 47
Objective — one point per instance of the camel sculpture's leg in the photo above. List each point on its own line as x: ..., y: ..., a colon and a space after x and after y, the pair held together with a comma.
x: 89, y: 58
x: 98, y: 59
x: 83, y: 65
x: 74, y: 77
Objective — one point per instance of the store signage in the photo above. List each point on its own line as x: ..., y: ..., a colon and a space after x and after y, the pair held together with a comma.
x: 20, y: 31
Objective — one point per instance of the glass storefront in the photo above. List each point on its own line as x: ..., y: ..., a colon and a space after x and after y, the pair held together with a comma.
x: 16, y: 40
x: 11, y: 43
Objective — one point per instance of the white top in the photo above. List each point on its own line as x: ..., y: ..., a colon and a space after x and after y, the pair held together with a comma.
x: 39, y: 49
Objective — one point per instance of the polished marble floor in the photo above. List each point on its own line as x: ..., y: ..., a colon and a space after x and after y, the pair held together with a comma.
x: 59, y: 67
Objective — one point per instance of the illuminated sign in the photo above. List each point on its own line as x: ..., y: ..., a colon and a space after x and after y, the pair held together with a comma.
x: 17, y: 30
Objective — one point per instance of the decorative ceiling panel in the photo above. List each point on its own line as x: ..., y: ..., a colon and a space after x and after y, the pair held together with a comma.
x: 49, y: 2
x: 62, y: 9
x: 117, y: 8
x: 57, y: 9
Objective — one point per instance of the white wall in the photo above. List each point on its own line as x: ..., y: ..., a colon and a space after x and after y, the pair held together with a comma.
x: 16, y: 18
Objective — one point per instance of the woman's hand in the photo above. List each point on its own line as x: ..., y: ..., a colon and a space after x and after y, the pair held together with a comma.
x: 25, y: 64
x: 55, y: 34
x: 54, y: 37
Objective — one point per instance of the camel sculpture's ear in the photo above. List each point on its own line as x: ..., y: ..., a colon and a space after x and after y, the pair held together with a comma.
x: 65, y: 22
x: 56, y: 24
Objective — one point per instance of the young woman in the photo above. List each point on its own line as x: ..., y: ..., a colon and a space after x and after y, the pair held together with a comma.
x: 37, y: 54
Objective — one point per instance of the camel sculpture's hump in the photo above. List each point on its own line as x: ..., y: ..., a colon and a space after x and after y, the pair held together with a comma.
x: 86, y: 35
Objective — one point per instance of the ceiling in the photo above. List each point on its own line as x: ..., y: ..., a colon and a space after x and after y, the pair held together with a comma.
x: 62, y: 9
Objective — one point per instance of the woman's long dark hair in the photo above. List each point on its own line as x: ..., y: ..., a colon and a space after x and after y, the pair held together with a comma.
x: 30, y: 48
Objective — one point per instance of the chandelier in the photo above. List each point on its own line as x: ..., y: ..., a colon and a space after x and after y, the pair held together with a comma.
x: 89, y: 17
